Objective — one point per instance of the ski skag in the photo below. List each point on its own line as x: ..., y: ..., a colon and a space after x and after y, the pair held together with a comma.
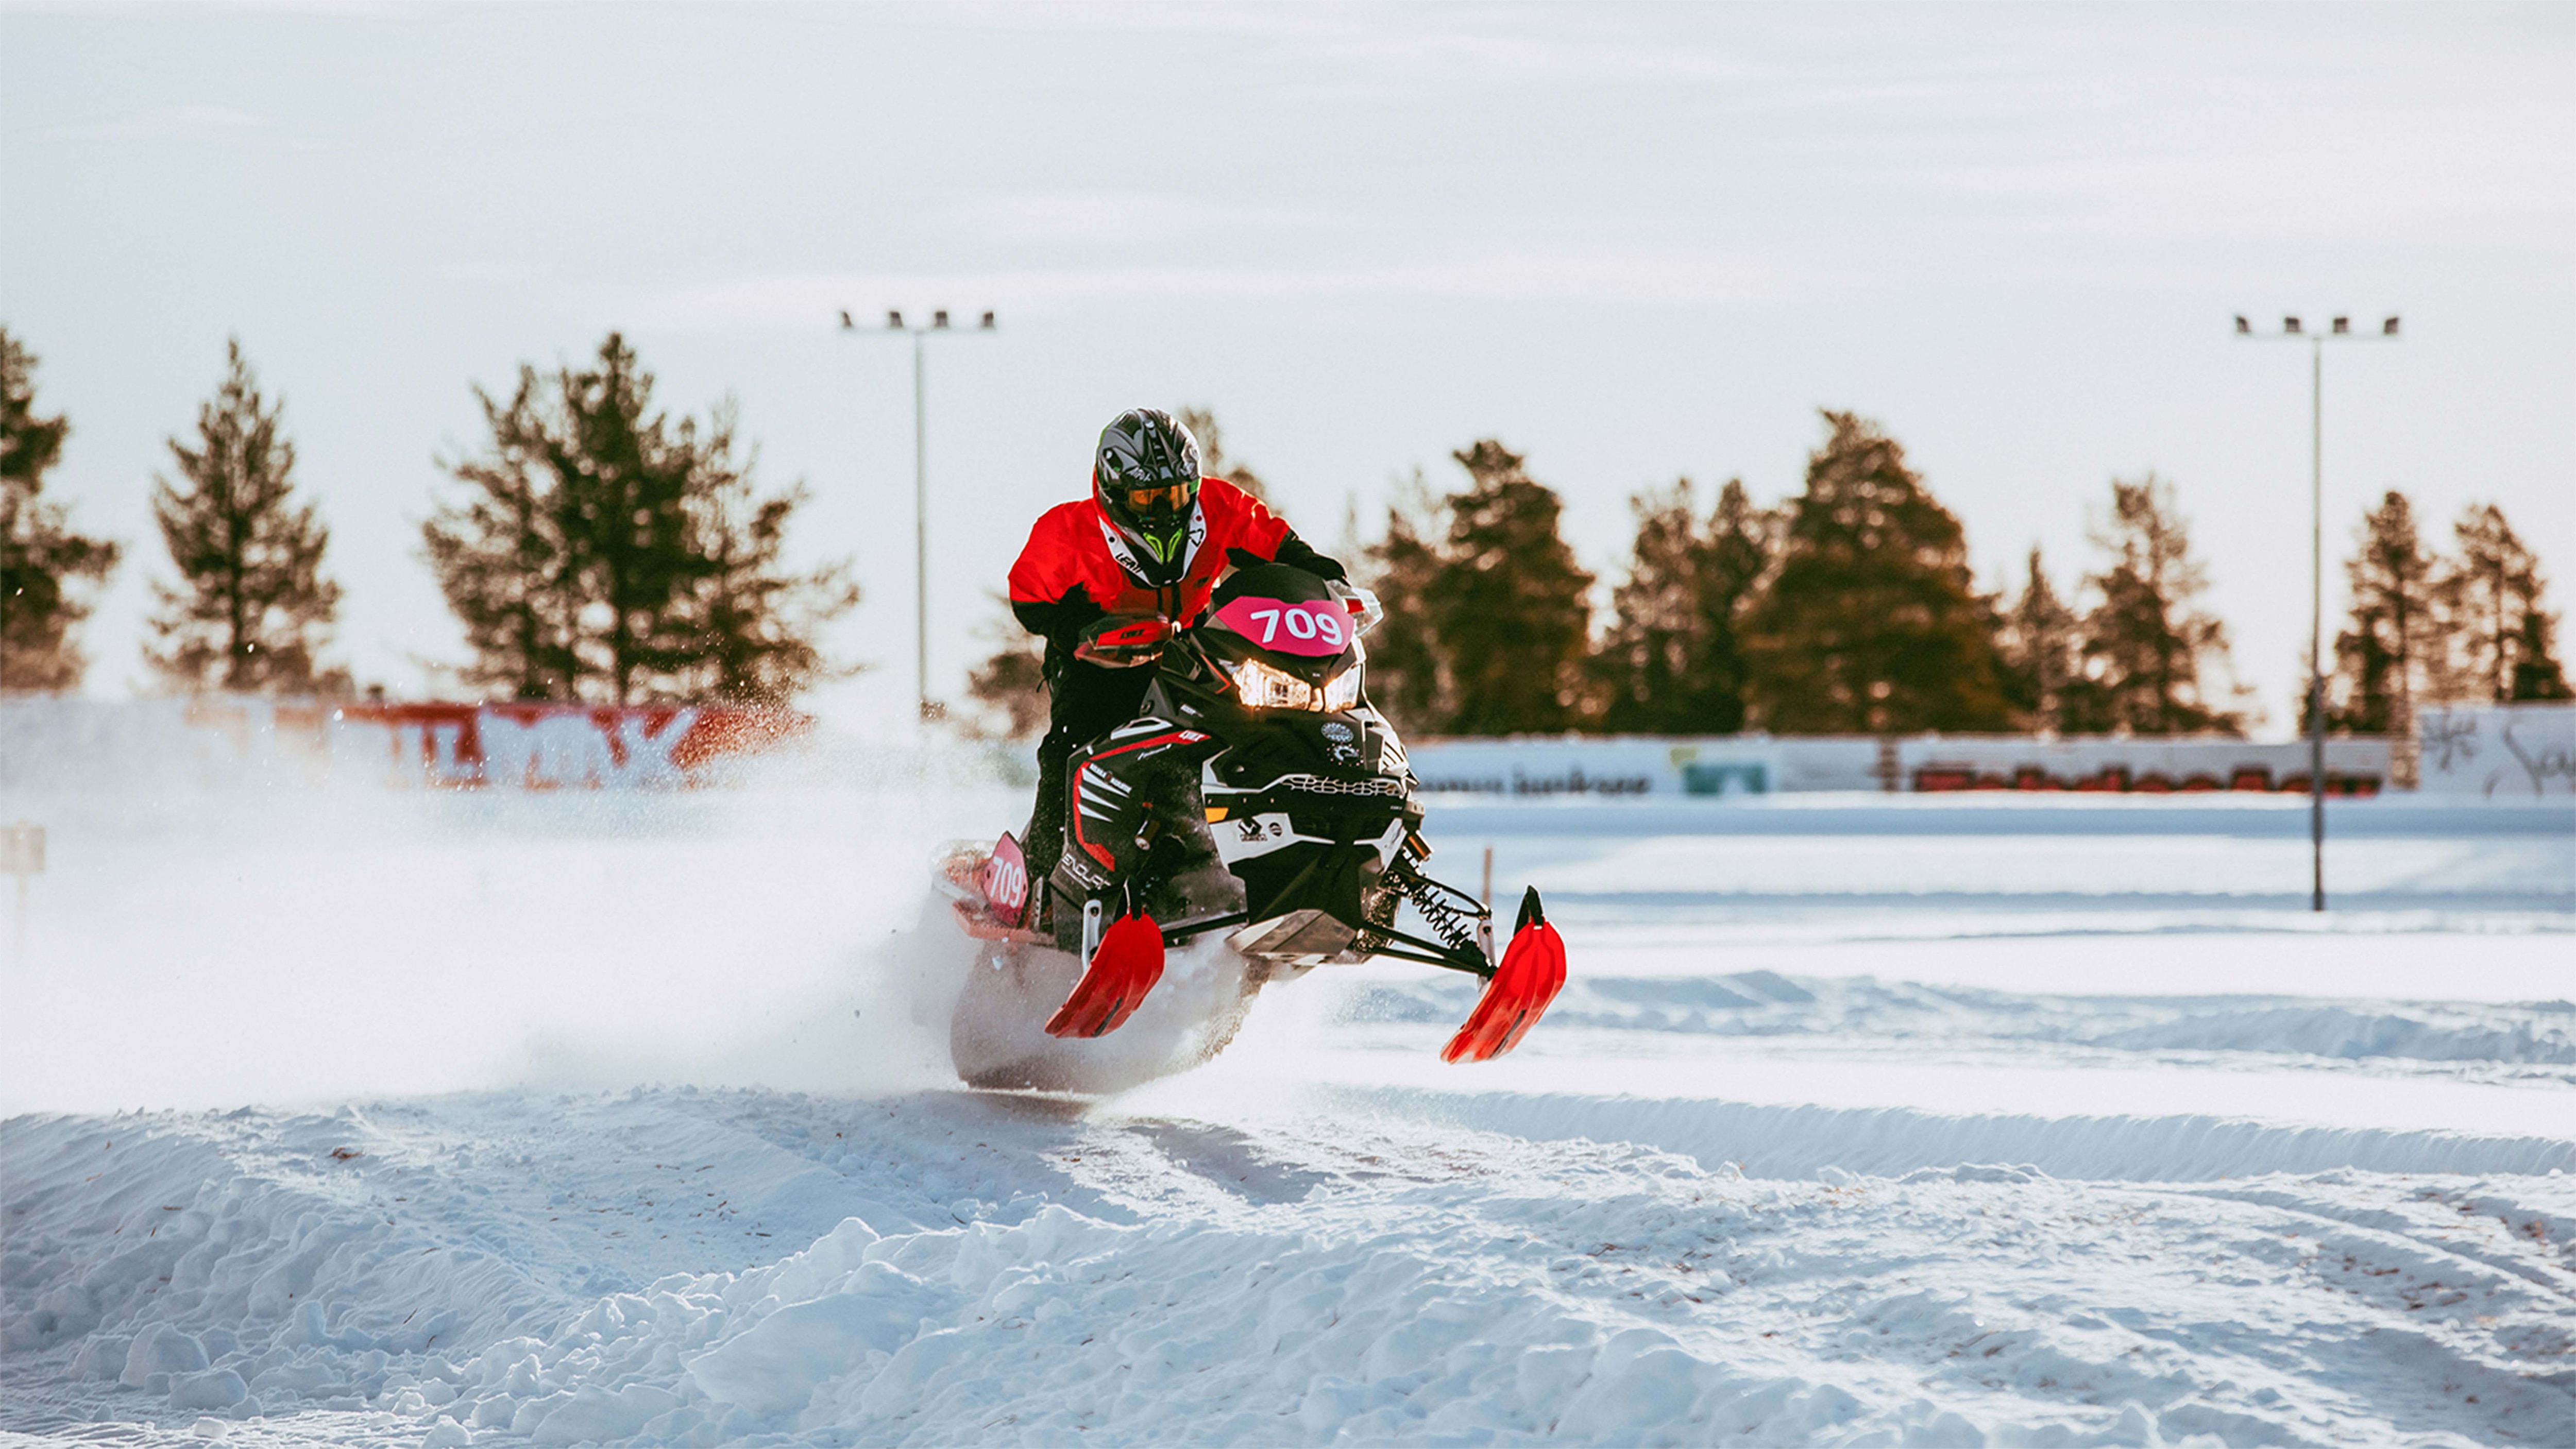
x: 1259, y: 797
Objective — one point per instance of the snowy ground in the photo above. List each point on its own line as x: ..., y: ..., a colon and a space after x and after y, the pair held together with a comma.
x: 358, y: 1119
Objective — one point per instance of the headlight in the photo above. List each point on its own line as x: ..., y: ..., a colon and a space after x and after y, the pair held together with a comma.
x: 1265, y: 686
x: 1343, y: 691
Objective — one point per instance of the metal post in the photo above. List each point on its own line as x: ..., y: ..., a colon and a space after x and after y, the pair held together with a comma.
x: 929, y: 709
x: 1485, y: 922
x: 921, y: 525
x: 2317, y: 621
x: 2339, y: 330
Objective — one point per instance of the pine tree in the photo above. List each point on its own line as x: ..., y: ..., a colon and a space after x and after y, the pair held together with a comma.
x: 1871, y: 622
x: 42, y: 562
x: 602, y: 550
x: 2042, y: 650
x: 622, y: 487
x: 1508, y: 602
x: 2145, y: 646
x: 1010, y: 685
x: 2491, y: 594
x: 504, y: 560
x: 2536, y: 675
x: 1671, y: 662
x: 1213, y: 461
x: 252, y: 607
x: 1405, y: 677
x: 751, y: 626
x: 2395, y: 651
x: 1647, y: 651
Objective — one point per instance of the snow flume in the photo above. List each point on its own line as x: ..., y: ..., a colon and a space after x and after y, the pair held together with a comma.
x: 577, y: 1119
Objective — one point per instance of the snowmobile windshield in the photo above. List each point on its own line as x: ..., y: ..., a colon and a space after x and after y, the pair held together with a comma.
x: 1269, y: 580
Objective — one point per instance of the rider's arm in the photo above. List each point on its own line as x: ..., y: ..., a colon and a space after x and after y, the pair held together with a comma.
x: 1048, y: 593
x: 1240, y: 520
x: 1061, y: 621
x: 1297, y: 554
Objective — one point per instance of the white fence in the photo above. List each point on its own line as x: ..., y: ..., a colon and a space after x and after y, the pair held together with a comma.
x: 2499, y: 752
x: 1722, y: 765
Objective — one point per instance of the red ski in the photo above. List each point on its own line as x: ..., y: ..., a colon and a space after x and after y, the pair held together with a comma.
x: 1533, y: 971
x: 1128, y: 963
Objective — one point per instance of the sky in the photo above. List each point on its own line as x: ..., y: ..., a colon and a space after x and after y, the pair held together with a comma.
x: 1634, y: 243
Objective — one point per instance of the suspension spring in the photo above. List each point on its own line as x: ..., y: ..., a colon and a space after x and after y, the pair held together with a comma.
x: 1455, y: 926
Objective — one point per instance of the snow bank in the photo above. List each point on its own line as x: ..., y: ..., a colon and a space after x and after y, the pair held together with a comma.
x: 399, y: 1279
x: 1806, y: 1141
x: 1767, y: 1004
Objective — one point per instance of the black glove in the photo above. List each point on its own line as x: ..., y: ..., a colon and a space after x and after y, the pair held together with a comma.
x: 1294, y: 552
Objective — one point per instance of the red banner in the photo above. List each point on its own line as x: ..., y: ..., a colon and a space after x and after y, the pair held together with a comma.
x: 553, y: 746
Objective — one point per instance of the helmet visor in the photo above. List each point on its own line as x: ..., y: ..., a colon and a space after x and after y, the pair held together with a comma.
x: 1166, y: 499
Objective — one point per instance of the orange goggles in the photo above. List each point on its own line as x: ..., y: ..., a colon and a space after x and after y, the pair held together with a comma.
x: 1171, y: 498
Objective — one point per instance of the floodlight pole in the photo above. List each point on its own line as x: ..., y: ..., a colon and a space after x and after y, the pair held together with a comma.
x: 921, y: 521
x: 2291, y: 331
x: 930, y: 710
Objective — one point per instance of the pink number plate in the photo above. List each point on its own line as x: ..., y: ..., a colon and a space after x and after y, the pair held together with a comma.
x: 1318, y: 629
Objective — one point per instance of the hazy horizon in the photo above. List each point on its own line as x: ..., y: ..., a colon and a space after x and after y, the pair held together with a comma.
x: 1631, y: 242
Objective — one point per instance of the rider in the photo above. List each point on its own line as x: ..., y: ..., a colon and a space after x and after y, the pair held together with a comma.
x: 1149, y: 542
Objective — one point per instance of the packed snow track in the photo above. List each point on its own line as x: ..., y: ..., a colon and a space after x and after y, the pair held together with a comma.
x: 1858, y: 1124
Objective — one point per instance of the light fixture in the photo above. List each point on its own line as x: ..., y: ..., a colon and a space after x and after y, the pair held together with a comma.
x: 894, y: 323
x: 2338, y: 329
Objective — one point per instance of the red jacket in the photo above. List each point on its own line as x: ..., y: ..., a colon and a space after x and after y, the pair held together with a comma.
x: 1066, y: 576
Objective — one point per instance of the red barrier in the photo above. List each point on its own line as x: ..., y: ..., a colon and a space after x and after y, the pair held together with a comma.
x: 556, y: 746
x: 2116, y: 780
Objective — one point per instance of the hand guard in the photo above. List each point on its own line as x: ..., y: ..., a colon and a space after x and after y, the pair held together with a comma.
x: 1123, y: 641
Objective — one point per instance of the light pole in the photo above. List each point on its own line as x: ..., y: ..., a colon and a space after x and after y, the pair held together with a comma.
x: 894, y: 327
x: 2340, y: 330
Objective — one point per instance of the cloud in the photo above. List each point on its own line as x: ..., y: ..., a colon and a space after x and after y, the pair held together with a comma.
x: 1621, y: 277
x: 1092, y: 216
x: 186, y: 122
x: 1531, y: 45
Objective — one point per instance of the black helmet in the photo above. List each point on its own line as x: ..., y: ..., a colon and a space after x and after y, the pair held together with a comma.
x: 1146, y: 477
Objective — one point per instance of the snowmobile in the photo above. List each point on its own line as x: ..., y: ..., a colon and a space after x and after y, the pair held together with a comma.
x: 1257, y: 800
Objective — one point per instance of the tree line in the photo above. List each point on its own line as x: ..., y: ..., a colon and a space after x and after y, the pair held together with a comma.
x: 595, y: 548
x: 1851, y: 608
x: 598, y: 548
